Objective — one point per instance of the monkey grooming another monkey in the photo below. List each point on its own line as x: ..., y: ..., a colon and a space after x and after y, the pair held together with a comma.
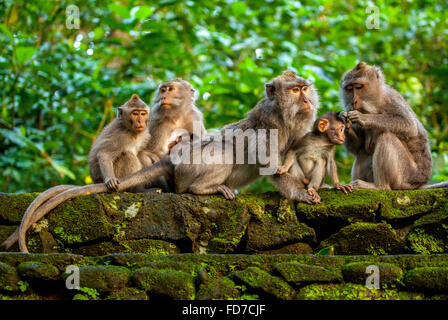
x: 390, y: 144
x: 290, y: 107
x: 118, y: 151
x: 315, y: 154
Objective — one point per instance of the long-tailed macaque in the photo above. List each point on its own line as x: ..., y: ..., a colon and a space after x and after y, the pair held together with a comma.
x: 289, y: 109
x: 389, y: 143
x: 118, y: 151
x: 173, y: 109
x: 315, y: 154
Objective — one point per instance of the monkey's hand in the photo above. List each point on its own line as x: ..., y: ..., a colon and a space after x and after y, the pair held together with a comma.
x: 282, y: 170
x: 313, y: 193
x: 348, y: 123
x: 344, y: 188
x: 172, y: 144
x: 112, y: 184
x: 357, y: 117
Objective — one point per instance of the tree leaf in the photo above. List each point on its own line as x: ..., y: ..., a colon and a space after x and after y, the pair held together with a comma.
x: 24, y: 54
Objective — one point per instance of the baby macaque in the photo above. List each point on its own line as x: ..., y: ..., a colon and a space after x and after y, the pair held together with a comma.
x: 315, y: 154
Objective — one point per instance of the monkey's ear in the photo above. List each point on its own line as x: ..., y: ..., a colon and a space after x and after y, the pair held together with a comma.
x: 270, y: 89
x: 120, y: 113
x: 322, y: 126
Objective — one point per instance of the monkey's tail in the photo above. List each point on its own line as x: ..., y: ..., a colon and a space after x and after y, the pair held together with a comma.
x: 41, y: 198
x: 53, y: 203
x: 443, y: 184
x: 149, y: 174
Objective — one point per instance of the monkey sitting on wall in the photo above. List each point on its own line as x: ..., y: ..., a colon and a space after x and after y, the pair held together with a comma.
x: 315, y: 155
x: 118, y: 151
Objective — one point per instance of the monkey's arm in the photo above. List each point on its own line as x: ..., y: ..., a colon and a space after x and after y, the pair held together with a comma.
x: 289, y: 161
x: 394, y: 121
x: 332, y: 169
x: 106, y: 163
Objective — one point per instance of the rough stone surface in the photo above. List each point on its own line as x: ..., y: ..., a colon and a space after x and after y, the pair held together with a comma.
x: 104, y: 278
x: 264, y: 283
x: 365, y: 238
x: 298, y: 273
x: 428, y: 279
x: 389, y: 274
x: 218, y: 289
x: 364, y: 222
x: 222, y: 276
x: 165, y: 282
x: 150, y: 246
x: 34, y: 270
x: 8, y: 278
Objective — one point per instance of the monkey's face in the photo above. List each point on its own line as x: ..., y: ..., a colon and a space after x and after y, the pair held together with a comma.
x: 361, y: 89
x: 334, y: 129
x: 293, y: 94
x: 336, y: 132
x: 138, y: 119
x: 174, y: 94
x: 300, y: 95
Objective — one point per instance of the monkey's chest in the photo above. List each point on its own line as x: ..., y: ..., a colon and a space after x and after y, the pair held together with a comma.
x: 136, y: 146
x: 308, y: 162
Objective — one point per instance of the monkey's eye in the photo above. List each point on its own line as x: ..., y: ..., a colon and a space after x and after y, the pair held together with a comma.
x: 135, y: 113
x: 358, y: 86
x: 295, y: 89
x: 163, y: 89
x: 304, y: 88
x: 349, y: 88
x: 170, y: 88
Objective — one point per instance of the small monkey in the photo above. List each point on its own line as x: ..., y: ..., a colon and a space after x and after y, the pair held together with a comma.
x: 315, y: 154
x: 118, y: 151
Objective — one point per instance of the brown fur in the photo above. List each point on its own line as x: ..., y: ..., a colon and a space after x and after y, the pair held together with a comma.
x: 117, y: 152
x: 389, y: 142
x: 291, y: 114
x: 315, y: 154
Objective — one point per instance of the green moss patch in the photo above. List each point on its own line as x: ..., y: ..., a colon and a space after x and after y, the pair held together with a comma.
x: 389, y: 274
x: 428, y: 279
x: 298, y: 273
x: 164, y: 282
x: 35, y: 270
x: 365, y: 238
x: 262, y: 282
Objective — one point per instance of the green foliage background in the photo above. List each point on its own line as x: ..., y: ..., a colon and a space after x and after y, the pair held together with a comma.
x: 56, y: 94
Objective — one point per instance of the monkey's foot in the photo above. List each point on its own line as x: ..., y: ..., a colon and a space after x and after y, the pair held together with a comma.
x: 346, y: 188
x: 313, y: 193
x: 226, y: 192
x: 360, y: 184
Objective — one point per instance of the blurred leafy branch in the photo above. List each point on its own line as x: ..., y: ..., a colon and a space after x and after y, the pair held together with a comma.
x: 58, y: 86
